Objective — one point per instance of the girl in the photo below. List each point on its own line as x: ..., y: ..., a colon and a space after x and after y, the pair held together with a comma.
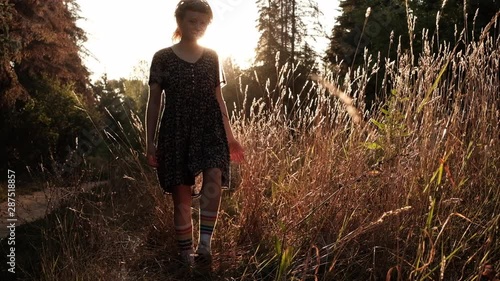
x: 194, y: 136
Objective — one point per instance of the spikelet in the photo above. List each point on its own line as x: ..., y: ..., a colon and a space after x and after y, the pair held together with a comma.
x: 348, y: 101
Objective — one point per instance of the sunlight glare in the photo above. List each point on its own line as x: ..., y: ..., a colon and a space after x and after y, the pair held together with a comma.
x: 117, y: 44
x: 241, y: 51
x: 232, y: 32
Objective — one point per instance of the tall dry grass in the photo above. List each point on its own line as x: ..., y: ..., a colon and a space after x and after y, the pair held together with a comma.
x: 411, y: 192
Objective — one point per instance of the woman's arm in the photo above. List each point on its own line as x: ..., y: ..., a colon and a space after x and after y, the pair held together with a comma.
x: 235, y: 149
x: 152, y: 113
x: 225, y: 115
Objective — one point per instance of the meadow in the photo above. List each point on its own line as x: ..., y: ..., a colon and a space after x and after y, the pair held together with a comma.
x: 410, y: 191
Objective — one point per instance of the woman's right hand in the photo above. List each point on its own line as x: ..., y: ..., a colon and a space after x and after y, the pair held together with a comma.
x: 151, y: 156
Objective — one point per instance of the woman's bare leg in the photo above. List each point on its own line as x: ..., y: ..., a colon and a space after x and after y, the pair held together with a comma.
x: 181, y: 196
x: 209, y: 206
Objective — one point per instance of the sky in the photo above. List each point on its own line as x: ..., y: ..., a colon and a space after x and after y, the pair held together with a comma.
x: 121, y: 34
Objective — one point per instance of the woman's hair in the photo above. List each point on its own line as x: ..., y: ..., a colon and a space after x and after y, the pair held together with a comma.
x: 183, y: 6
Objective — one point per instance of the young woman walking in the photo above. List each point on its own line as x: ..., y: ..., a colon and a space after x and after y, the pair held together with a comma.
x: 194, y: 134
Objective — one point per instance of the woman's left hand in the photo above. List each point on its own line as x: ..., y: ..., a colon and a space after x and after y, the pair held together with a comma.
x: 236, y: 151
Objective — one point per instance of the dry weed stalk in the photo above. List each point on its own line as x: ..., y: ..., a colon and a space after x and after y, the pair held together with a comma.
x: 348, y: 101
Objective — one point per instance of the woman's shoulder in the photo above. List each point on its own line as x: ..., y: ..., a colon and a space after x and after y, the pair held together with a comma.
x: 163, y: 52
x: 211, y: 52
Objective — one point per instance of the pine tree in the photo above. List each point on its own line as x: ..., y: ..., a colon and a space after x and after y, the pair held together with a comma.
x: 356, y: 29
x: 284, y: 37
x: 282, y: 27
x: 353, y: 32
x: 454, y: 17
x: 270, y: 41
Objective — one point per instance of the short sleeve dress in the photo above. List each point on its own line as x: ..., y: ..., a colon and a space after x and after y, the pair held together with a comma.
x: 191, y: 137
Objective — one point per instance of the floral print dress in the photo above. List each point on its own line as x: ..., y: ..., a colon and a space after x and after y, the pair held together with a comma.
x: 191, y: 137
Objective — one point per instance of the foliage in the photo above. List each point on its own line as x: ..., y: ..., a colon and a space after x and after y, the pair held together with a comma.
x: 232, y: 93
x: 284, y: 40
x: 42, y: 79
x: 117, y: 110
x: 408, y: 24
x: 9, y: 49
x: 410, y: 195
x: 313, y: 204
x: 356, y: 29
x: 42, y: 129
x: 43, y: 40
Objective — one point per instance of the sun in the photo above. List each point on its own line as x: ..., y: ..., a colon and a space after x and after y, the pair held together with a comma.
x: 212, y: 41
x: 235, y: 41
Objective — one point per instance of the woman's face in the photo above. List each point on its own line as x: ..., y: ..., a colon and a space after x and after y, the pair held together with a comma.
x: 193, y: 25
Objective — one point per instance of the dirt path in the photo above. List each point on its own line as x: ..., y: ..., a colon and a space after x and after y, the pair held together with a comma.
x: 37, y: 205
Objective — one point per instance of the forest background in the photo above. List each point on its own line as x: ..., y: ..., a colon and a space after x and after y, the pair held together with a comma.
x: 420, y: 78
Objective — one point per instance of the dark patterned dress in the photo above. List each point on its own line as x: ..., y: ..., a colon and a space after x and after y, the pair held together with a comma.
x: 191, y: 136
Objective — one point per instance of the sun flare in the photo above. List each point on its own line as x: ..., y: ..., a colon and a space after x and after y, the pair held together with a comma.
x: 237, y: 40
